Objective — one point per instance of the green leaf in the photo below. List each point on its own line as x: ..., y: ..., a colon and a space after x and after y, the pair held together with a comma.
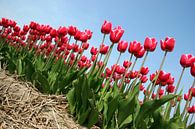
x: 93, y: 118
x: 149, y: 107
x: 19, y: 67
x: 71, y: 100
x: 127, y: 107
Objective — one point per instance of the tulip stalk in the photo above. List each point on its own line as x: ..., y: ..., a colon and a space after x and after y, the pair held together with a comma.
x: 156, y: 78
x: 122, y: 81
x: 178, y: 83
x: 94, y: 64
x: 143, y: 62
x: 129, y: 88
x: 188, y: 100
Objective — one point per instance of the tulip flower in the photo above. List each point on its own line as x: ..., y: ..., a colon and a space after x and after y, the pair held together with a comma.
x: 143, y: 78
x: 191, y: 109
x: 94, y: 51
x: 192, y: 70
x: 170, y: 88
x: 126, y: 64
x: 72, y: 30
x: 122, y: 46
x: 53, y: 33
x: 168, y: 44
x: 83, y: 37
x: 106, y: 27
x: 93, y: 57
x: 120, y: 70
x: 140, y: 53
x: 187, y: 60
x: 192, y: 90
x: 85, y: 45
x: 144, y: 70
x: 187, y: 97
x: 104, y: 49
x: 163, y: 76
x: 62, y: 31
x: 77, y: 36
x: 89, y: 33
x: 161, y: 92
x: 116, y: 34
x: 150, y: 44
x: 141, y: 87
x: 134, y: 47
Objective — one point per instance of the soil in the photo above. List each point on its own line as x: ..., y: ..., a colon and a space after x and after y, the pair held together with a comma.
x: 23, y: 107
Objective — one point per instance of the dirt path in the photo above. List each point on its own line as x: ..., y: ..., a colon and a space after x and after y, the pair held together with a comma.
x: 23, y: 107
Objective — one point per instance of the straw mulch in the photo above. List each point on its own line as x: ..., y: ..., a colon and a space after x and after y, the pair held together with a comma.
x: 23, y: 107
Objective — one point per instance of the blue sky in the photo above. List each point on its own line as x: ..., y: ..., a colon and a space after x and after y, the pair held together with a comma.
x: 139, y: 18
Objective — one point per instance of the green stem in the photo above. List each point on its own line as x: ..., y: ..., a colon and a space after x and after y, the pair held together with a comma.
x: 187, y: 102
x: 177, y: 86
x: 161, y: 65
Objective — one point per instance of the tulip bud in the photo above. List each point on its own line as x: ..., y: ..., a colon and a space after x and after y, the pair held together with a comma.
x: 116, y: 34
x: 150, y: 44
x: 126, y: 64
x: 192, y: 70
x: 122, y: 46
x: 168, y: 44
x: 170, y: 88
x: 106, y: 27
x: 144, y: 70
x: 187, y: 60
x: 104, y: 49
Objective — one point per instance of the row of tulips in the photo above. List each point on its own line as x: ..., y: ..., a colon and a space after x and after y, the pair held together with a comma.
x: 97, y: 94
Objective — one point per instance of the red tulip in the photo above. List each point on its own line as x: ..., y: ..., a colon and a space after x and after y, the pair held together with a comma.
x: 144, y: 79
x: 161, y: 92
x: 53, y: 33
x: 126, y: 64
x: 191, y: 109
x: 77, y: 35
x: 94, y: 51
x: 120, y: 69
x: 144, y: 70
x: 83, y: 58
x: 83, y: 37
x: 16, y: 28
x: 106, y: 27
x: 140, y: 54
x: 150, y: 44
x: 25, y: 28
x: 187, y: 96
x: 170, y: 88
x: 85, y: 46
x: 192, y: 90
x: 108, y: 72
x: 192, y: 70
x: 12, y: 23
x: 122, y: 46
x: 116, y: 34
x: 93, y: 57
x: 141, y: 87
x: 134, y: 47
x: 187, y: 60
x: 168, y: 44
x: 62, y: 31
x: 33, y: 25
x: 89, y: 33
x: 72, y: 30
x: 75, y: 47
x: 103, y: 49
x: 163, y: 76
x: 133, y: 74
x: 153, y: 95
x: 171, y: 80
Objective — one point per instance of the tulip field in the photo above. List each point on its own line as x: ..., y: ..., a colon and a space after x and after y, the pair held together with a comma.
x: 54, y: 61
